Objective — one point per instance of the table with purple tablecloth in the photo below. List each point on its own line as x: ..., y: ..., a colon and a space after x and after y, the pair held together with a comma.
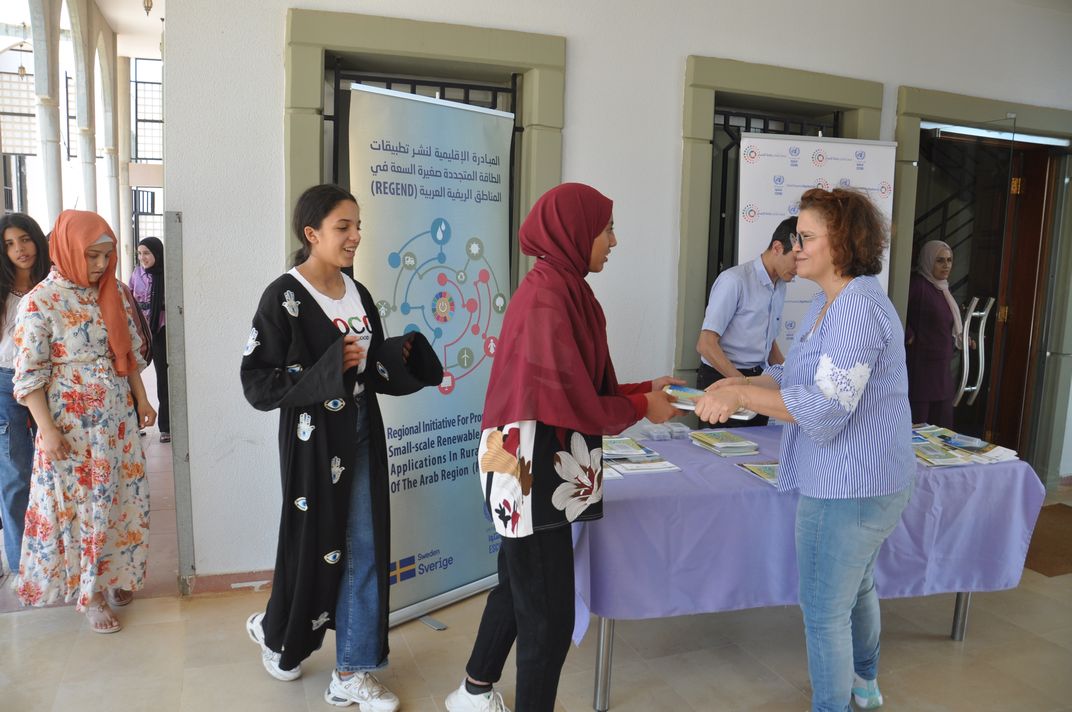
x: 713, y: 537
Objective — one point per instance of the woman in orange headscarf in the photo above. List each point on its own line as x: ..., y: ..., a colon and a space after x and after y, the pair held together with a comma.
x: 77, y: 369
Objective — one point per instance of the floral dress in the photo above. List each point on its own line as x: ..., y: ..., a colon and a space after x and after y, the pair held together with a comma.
x: 87, y: 524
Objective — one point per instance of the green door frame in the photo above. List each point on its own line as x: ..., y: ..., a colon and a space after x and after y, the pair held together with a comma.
x: 705, y: 77
x: 429, y: 48
x: 915, y: 105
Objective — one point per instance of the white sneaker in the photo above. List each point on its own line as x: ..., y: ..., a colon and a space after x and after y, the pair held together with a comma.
x: 461, y: 701
x: 269, y: 657
x: 362, y: 688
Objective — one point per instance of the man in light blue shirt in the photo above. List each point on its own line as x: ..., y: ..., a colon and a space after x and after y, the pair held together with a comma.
x: 744, y: 313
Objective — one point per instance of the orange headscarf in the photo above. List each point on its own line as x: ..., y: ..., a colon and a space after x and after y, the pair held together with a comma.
x: 76, y: 230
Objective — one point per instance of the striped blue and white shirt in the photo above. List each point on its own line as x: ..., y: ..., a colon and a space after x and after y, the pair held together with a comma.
x: 846, y: 385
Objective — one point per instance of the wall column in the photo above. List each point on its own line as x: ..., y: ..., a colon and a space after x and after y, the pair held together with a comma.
x: 45, y: 25
x: 82, y: 41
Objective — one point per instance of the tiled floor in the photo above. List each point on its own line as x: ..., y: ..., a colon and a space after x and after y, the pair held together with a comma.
x: 193, y: 655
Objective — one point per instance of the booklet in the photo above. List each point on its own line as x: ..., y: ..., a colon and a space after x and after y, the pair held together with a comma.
x: 626, y: 448
x: 630, y: 468
x: 724, y: 442
x: 935, y: 455
x: 766, y: 470
x: 685, y: 399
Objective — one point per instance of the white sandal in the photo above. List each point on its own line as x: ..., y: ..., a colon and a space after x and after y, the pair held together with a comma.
x: 118, y: 601
x: 98, y: 613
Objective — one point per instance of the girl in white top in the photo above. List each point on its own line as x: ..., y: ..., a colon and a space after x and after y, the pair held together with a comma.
x: 23, y: 263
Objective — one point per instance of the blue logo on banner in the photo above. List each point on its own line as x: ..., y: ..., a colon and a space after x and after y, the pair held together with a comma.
x: 794, y: 151
x: 779, y: 180
x: 794, y: 209
x: 860, y: 155
x: 844, y: 183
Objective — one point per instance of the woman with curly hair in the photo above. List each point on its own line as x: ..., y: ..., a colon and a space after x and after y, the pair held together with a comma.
x: 23, y: 263
x: 846, y: 446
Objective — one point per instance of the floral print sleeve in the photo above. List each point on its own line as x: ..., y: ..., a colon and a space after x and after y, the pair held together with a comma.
x: 33, y: 344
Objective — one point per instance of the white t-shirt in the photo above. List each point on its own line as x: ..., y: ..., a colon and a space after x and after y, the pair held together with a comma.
x: 348, y: 314
x: 7, y: 339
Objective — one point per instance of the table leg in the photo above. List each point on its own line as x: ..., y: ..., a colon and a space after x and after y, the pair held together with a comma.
x: 960, y: 615
x: 604, y: 651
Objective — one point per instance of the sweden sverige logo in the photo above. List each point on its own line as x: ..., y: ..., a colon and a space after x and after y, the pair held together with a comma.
x: 402, y: 570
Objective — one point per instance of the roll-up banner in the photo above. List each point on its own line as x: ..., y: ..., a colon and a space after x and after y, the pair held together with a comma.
x: 432, y: 179
x: 775, y: 172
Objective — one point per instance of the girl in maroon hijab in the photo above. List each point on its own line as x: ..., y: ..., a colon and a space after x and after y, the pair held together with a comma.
x: 552, y: 396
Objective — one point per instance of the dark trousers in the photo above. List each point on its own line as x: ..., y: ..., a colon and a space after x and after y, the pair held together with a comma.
x: 163, y: 417
x: 707, y: 375
x: 938, y: 413
x: 533, y: 604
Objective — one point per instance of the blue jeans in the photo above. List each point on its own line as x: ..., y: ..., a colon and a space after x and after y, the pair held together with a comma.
x: 16, y: 463
x: 357, y: 610
x: 837, y: 541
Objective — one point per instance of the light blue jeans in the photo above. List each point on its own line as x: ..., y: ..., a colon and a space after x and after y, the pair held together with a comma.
x: 837, y: 541
x: 357, y: 609
x: 16, y: 463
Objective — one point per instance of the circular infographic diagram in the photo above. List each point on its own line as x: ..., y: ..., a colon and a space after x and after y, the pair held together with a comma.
x: 448, y: 291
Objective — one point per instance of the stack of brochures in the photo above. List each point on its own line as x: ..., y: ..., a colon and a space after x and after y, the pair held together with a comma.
x: 941, y: 447
x: 625, y: 448
x: 766, y: 471
x: 724, y: 443
x: 625, y: 455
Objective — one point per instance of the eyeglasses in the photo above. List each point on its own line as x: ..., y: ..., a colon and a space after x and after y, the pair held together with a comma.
x: 796, y: 239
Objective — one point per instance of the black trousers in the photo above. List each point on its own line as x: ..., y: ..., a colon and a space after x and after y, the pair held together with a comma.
x: 533, y: 604
x: 163, y: 417
x: 707, y: 375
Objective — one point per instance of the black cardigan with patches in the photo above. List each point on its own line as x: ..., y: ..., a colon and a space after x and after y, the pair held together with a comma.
x: 294, y: 363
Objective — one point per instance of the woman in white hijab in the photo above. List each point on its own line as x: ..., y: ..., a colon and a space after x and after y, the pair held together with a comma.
x: 932, y: 336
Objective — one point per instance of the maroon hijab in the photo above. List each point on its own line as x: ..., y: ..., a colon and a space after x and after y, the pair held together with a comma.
x: 552, y: 363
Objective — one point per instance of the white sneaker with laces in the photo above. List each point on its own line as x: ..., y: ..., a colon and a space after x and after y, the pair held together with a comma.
x: 461, y: 701
x: 269, y: 657
x: 362, y: 688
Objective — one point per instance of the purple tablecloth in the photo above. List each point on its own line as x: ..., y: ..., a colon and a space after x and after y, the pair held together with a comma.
x: 714, y: 538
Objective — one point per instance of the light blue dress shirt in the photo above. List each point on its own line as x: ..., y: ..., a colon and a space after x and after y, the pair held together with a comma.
x: 745, y: 310
x: 846, y: 386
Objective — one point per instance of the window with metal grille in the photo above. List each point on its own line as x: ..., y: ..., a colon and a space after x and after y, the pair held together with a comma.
x: 148, y: 213
x: 18, y: 123
x: 14, y: 169
x: 147, y: 103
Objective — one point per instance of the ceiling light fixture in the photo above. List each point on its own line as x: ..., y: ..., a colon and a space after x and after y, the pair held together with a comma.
x: 22, y: 47
x: 148, y: 5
